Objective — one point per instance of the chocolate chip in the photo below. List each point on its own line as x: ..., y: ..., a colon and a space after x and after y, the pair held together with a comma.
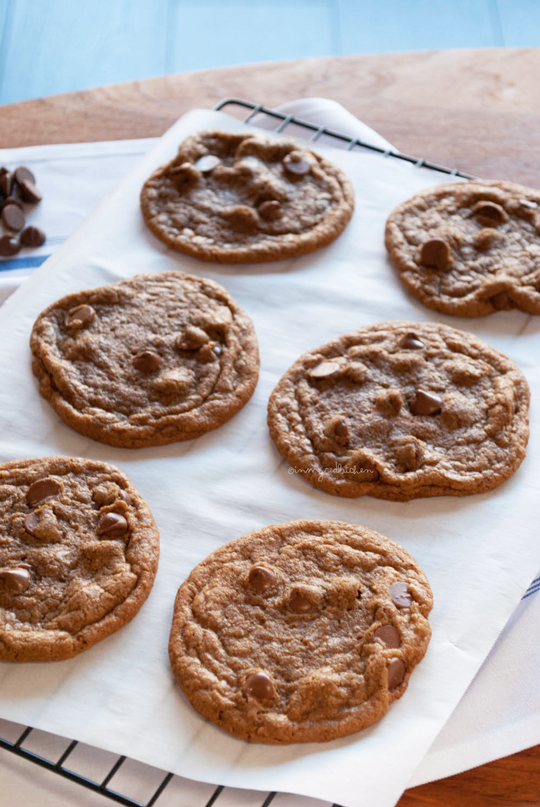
x: 295, y: 163
x: 15, y: 581
x: 528, y: 203
x: 23, y: 174
x: 270, y: 210
x: 325, y: 369
x: 489, y: 213
x: 11, y: 200
x: 32, y: 237
x: 82, y: 315
x: 6, y: 181
x: 148, y: 361
x: 261, y: 579
x: 299, y: 604
x: 9, y: 246
x: 502, y: 301
x: 30, y: 523
x: 399, y: 592
x: 207, y: 163
x: 425, y: 403
x: 341, y: 431
x: 13, y: 217
x: 42, y: 489
x: 192, y: 338
x: 410, y: 342
x: 435, y: 254
x: 396, y: 673
x: 388, y: 635
x: 258, y: 685
x: 124, y: 495
x: 112, y: 525
x: 29, y: 192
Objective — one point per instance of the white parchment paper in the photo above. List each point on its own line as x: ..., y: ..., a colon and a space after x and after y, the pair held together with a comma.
x: 479, y: 552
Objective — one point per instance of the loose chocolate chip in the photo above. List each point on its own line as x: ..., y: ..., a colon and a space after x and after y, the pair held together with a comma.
x: 425, y: 403
x: 270, y: 210
x: 258, y: 685
x: 23, y: 174
x: 502, y: 301
x: 82, y: 315
x: 207, y: 163
x: 388, y: 635
x: 124, y: 495
x: 29, y: 192
x: 410, y: 342
x: 9, y: 246
x: 42, y: 489
x: 112, y: 525
x: 148, y: 361
x: 299, y: 604
x: 399, y: 592
x: 13, y: 217
x: 11, y: 200
x: 15, y: 581
x: 30, y: 523
x: 295, y: 163
x: 396, y: 673
x: 261, y: 579
x: 435, y: 254
x: 325, y: 369
x: 489, y: 213
x: 6, y: 182
x: 528, y: 203
x: 32, y: 237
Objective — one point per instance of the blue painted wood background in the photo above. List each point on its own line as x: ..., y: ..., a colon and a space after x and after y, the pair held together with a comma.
x: 52, y: 46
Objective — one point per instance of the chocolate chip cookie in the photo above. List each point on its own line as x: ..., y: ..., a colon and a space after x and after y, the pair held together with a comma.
x: 401, y: 410
x: 237, y: 198
x: 300, y: 632
x: 469, y: 248
x: 147, y: 361
x: 78, y: 556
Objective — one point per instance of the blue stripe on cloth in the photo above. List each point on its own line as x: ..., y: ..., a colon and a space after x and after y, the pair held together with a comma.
x: 533, y: 588
x: 28, y: 262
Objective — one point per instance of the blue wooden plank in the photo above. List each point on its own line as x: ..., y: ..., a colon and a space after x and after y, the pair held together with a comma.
x: 210, y: 33
x: 520, y: 22
x: 62, y: 45
x: 391, y: 25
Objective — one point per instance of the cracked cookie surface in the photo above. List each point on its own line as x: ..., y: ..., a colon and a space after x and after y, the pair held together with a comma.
x: 147, y: 361
x: 300, y: 632
x: 237, y: 198
x: 469, y: 248
x: 401, y: 410
x: 78, y: 555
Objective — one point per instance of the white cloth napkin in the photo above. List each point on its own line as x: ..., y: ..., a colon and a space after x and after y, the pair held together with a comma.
x: 499, y: 713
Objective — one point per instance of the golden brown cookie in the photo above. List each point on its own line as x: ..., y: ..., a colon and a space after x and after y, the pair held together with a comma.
x: 300, y: 632
x: 147, y: 361
x: 78, y: 555
x: 237, y: 198
x: 469, y: 248
x: 401, y: 410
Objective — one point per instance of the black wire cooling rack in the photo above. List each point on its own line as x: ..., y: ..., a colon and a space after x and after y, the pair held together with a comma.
x: 23, y: 735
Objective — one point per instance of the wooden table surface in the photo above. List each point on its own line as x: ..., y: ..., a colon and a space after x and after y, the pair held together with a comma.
x: 476, y: 110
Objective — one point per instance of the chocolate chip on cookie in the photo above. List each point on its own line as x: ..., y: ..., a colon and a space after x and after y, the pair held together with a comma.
x: 147, y: 361
x: 469, y: 248
x: 401, y: 410
x: 78, y: 556
x: 236, y: 198
x: 291, y: 633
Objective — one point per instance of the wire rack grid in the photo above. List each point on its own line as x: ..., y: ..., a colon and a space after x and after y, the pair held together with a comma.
x: 60, y: 764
